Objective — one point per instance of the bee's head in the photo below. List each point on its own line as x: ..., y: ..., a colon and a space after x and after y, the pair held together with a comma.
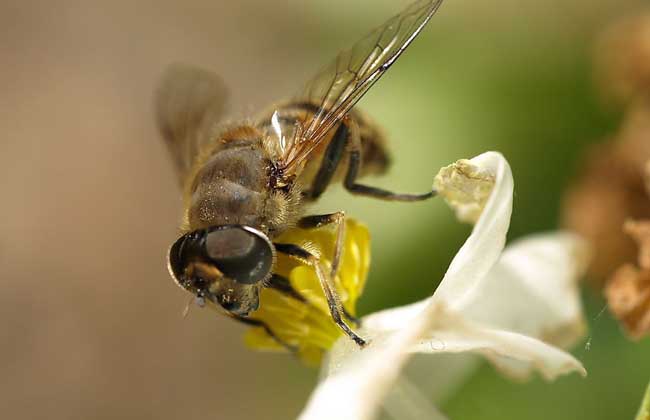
x: 224, y: 264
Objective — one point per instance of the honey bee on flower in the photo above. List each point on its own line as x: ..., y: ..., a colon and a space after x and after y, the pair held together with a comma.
x: 247, y: 186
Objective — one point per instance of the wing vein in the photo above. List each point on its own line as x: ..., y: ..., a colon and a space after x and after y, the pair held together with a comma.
x: 339, y: 86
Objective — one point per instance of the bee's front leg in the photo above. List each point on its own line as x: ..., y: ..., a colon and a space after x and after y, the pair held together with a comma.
x: 317, y: 221
x: 333, y: 300
x: 320, y: 220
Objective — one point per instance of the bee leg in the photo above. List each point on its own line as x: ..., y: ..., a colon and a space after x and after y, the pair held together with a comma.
x: 313, y: 222
x: 317, y: 221
x: 331, y: 159
x: 353, y: 171
x: 282, y: 285
x: 333, y: 300
x: 351, y: 317
x: 257, y: 323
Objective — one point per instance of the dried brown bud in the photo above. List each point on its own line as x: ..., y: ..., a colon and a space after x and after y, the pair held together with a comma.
x: 628, y: 290
x: 640, y: 232
x: 632, y: 145
x: 623, y: 60
x: 628, y: 297
x: 611, y: 188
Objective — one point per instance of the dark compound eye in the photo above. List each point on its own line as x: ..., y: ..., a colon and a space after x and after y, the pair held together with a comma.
x: 177, y: 259
x: 232, y: 242
x: 241, y: 254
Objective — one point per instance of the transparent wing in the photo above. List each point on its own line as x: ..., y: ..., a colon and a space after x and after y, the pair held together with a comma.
x: 339, y: 86
x: 189, y: 102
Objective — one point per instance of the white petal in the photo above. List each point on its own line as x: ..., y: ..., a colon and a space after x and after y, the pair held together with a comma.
x: 481, y: 250
x: 533, y: 289
x: 394, y: 319
x: 406, y: 401
x: 357, y: 381
x: 509, y: 351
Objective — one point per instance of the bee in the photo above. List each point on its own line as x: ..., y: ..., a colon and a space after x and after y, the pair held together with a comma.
x: 246, y: 183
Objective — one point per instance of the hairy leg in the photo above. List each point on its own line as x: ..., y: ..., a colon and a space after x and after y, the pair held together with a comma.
x: 333, y: 300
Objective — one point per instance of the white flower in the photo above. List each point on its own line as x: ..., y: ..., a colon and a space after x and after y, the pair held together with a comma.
x: 500, y: 304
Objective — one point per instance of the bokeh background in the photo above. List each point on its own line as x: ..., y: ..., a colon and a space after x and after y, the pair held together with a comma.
x: 90, y: 323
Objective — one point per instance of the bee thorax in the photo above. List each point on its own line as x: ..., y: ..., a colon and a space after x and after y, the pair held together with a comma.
x: 230, y: 187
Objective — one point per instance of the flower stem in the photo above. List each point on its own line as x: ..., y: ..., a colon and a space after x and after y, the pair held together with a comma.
x: 644, y: 410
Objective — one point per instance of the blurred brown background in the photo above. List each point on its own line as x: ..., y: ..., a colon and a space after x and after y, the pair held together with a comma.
x: 90, y: 323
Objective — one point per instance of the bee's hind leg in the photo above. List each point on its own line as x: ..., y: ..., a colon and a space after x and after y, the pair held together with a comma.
x: 331, y: 160
x: 347, y: 134
x: 354, y: 164
x: 333, y: 300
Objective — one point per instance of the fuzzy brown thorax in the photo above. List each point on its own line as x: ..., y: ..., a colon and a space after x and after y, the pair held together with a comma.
x: 232, y: 185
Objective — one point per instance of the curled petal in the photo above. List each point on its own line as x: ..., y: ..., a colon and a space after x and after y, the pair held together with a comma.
x: 481, y: 250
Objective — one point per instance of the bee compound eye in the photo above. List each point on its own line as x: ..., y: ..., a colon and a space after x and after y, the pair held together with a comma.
x: 176, y: 260
x: 242, y: 254
x: 229, y: 242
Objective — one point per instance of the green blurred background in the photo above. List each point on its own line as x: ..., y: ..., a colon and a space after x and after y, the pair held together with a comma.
x: 91, y: 324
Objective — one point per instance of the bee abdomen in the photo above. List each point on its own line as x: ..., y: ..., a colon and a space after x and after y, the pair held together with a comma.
x: 375, y: 157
